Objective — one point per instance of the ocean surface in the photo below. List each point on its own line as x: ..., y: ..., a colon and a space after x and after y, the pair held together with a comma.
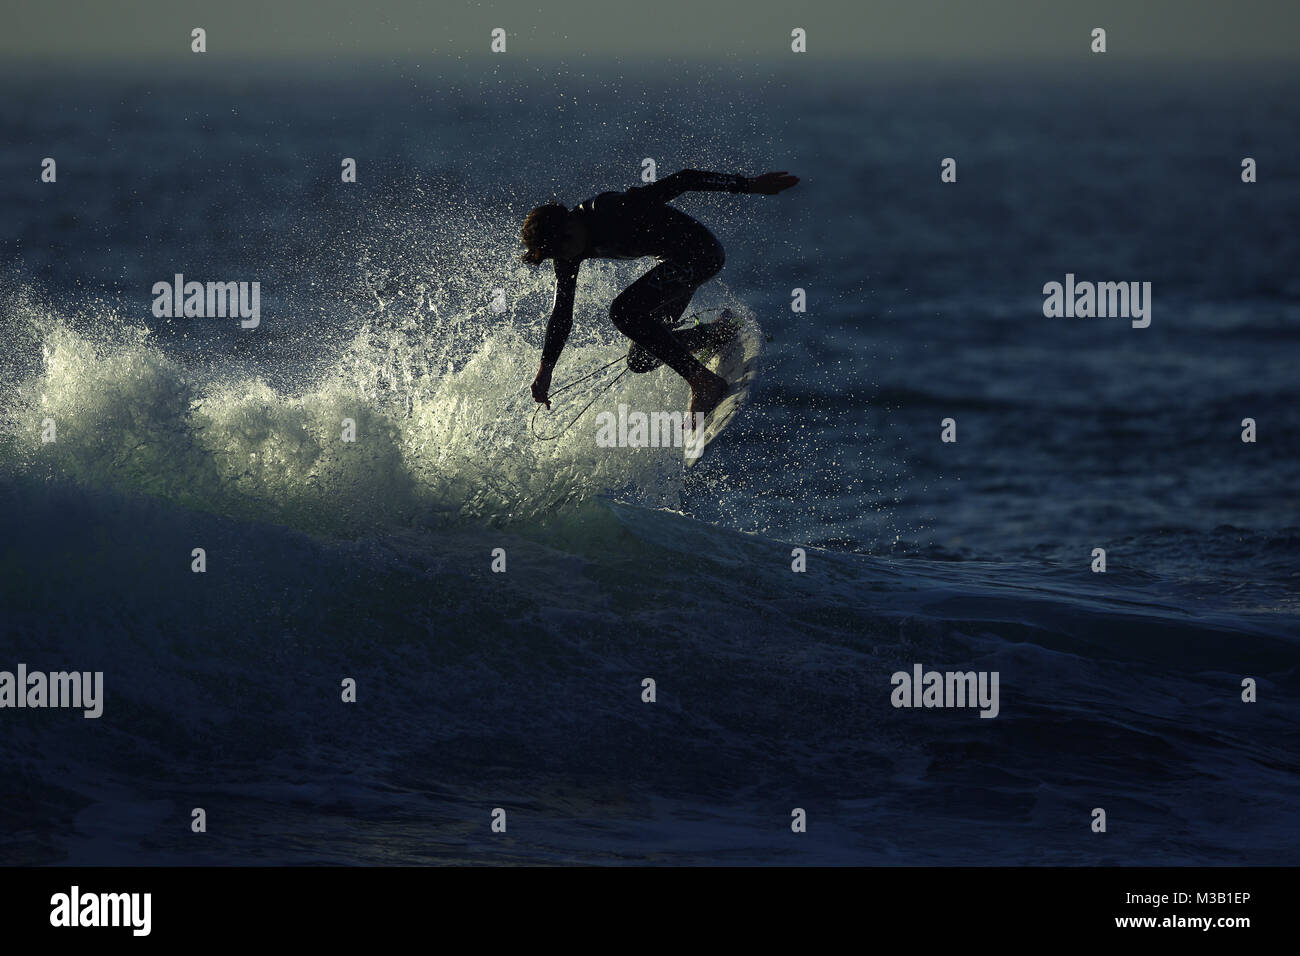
x: 523, y: 690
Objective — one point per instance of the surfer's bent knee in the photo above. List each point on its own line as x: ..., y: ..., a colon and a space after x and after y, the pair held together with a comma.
x: 623, y: 313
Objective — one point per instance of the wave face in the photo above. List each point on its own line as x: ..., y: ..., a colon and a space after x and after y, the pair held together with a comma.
x: 372, y: 560
x: 522, y: 689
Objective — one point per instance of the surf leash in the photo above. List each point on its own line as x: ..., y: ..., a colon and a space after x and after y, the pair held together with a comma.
x: 598, y: 388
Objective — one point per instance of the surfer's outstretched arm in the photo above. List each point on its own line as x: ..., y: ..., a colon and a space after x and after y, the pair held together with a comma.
x: 558, y: 326
x: 698, y: 180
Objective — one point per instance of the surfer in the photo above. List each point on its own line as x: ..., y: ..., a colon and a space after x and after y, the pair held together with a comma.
x: 628, y: 225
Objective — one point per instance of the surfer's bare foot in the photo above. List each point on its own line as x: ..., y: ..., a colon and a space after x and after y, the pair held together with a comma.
x: 706, y: 395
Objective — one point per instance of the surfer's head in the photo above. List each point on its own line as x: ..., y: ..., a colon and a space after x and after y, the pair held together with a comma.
x: 551, y: 232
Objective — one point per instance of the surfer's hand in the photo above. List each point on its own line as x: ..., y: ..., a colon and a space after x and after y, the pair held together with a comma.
x: 769, y: 184
x: 542, y: 386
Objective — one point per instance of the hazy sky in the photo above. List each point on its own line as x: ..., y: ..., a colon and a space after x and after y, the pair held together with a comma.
x: 156, y: 30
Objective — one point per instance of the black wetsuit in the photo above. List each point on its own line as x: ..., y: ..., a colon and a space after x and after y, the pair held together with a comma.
x: 636, y: 223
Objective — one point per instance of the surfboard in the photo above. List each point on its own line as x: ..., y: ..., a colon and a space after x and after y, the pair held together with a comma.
x: 737, y: 361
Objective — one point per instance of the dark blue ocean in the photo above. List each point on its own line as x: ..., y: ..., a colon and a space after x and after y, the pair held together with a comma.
x: 523, y: 690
